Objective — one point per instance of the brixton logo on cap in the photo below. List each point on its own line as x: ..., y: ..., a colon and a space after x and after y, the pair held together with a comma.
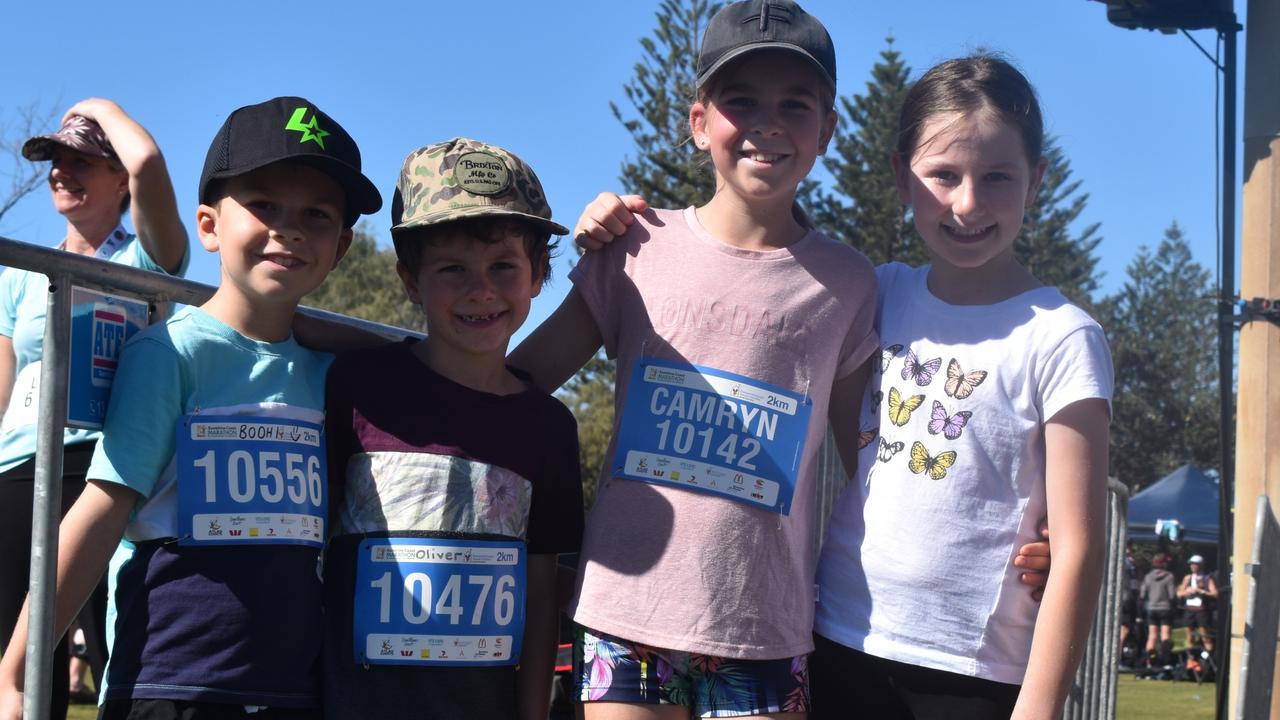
x: 311, y: 131
x: 480, y: 173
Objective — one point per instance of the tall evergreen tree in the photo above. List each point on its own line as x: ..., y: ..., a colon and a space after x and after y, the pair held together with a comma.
x: 365, y: 285
x: 667, y: 170
x: 862, y: 208
x: 1161, y: 326
x: 1047, y: 246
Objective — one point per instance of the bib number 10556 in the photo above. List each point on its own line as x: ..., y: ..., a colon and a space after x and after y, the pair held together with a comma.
x: 250, y: 480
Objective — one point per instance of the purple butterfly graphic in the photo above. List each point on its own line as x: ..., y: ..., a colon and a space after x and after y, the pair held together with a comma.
x: 949, y: 426
x: 921, y: 372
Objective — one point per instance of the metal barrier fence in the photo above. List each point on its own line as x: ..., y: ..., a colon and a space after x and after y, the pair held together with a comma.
x: 1093, y: 694
x: 64, y: 270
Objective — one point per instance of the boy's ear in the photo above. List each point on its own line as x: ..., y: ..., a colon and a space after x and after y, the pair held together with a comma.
x: 901, y: 178
x: 828, y: 131
x: 344, y: 244
x: 1037, y: 175
x: 207, y: 227
x: 410, y: 283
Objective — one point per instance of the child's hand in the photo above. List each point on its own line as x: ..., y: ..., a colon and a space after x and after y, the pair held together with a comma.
x: 91, y: 109
x: 1034, y: 560
x: 606, y: 218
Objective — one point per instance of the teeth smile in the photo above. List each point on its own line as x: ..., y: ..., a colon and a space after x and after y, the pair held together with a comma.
x: 967, y: 232
x: 765, y: 157
x: 480, y: 318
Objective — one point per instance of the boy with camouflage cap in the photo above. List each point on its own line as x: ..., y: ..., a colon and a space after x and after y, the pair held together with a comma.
x: 456, y: 482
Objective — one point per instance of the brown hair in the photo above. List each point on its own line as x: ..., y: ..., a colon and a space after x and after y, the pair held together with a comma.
x: 538, y: 244
x: 971, y: 84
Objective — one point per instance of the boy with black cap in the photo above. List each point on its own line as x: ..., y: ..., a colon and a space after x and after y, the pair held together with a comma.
x: 211, y: 472
x: 456, y: 481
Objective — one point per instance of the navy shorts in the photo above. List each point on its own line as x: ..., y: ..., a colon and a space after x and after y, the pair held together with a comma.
x: 138, y: 709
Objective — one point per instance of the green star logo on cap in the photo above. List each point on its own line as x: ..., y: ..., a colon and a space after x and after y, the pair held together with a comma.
x: 310, y: 131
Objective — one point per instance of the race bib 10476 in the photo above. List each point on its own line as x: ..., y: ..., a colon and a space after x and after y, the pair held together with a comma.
x: 250, y: 480
x: 439, y: 601
x: 712, y: 431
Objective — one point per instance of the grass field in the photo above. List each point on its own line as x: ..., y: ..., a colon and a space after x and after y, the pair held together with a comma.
x: 1138, y: 700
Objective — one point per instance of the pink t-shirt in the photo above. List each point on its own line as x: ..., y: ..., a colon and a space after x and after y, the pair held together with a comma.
x: 694, y: 571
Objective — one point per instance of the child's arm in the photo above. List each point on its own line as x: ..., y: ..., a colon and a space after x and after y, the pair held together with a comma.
x: 561, y: 345
x: 88, y: 536
x: 154, y: 208
x: 541, y: 626
x: 1076, y: 440
x: 8, y: 370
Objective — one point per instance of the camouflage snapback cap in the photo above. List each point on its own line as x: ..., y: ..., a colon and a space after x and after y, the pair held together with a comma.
x: 462, y: 178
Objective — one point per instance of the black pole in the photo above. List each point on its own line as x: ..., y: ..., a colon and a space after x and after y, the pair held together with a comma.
x: 1226, y: 364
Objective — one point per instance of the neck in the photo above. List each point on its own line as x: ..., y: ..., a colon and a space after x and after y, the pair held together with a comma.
x: 998, y: 280
x: 485, y: 373
x: 86, y: 236
x: 767, y: 225
x: 265, y: 322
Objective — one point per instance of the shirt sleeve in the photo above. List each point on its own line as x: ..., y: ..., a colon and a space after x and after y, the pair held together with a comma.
x: 556, y: 516
x: 9, y: 300
x: 139, y: 432
x: 596, y: 278
x: 1079, y: 368
x: 861, y: 338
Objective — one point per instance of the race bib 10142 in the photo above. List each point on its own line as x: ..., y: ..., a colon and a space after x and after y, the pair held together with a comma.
x: 712, y: 431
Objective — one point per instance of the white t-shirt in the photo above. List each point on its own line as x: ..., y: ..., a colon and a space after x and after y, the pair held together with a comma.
x: 917, y: 566
x: 694, y: 570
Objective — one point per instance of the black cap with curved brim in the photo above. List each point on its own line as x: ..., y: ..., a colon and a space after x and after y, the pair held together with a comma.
x: 290, y: 128
x: 77, y: 133
x: 752, y: 25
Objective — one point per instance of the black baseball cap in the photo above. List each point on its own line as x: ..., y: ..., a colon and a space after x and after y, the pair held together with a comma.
x: 290, y: 128
x: 764, y: 24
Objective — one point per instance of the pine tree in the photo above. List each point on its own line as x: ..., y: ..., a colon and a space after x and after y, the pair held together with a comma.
x: 365, y: 285
x: 1161, y: 326
x: 667, y: 170
x: 863, y: 208
x: 1046, y: 245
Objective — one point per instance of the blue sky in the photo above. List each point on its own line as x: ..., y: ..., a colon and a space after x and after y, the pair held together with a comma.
x: 1134, y: 110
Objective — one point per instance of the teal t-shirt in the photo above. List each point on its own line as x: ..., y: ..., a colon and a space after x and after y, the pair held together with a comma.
x: 23, y: 305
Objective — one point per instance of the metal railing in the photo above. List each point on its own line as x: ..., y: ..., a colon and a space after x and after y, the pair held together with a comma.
x: 64, y: 270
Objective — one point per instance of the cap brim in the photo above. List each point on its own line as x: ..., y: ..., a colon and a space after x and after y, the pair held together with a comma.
x: 481, y: 211
x: 362, y: 195
x: 738, y: 52
x: 40, y: 148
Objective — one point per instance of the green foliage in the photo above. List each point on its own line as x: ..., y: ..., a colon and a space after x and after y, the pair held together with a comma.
x: 589, y: 395
x: 862, y: 208
x: 1046, y: 246
x: 1161, y: 325
x: 667, y: 170
x: 365, y: 285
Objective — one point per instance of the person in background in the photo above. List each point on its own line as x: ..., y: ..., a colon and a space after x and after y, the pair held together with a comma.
x: 1197, y: 592
x: 1157, y: 594
x: 102, y: 165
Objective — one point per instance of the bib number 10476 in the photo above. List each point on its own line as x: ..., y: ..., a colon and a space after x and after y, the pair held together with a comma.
x: 250, y: 480
x: 439, y: 601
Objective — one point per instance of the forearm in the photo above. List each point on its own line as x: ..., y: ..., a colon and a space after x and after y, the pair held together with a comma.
x: 538, y: 655
x: 1062, y: 628
x: 8, y: 368
x: 560, y: 346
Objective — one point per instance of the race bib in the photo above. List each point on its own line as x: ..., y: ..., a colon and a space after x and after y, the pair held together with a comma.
x: 250, y: 480
x: 437, y: 601
x: 1195, y: 602
x: 714, y: 432
x: 24, y: 402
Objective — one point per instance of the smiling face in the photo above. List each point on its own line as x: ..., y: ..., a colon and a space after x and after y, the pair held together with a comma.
x: 475, y: 293
x: 968, y: 184
x: 85, y: 187
x: 278, y: 231
x: 765, y: 120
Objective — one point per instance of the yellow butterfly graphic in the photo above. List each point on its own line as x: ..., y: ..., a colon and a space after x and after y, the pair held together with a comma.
x: 899, y: 409
x: 960, y: 384
x: 936, y: 466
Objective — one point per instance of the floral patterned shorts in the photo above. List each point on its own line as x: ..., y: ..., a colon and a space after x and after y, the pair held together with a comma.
x: 610, y: 669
